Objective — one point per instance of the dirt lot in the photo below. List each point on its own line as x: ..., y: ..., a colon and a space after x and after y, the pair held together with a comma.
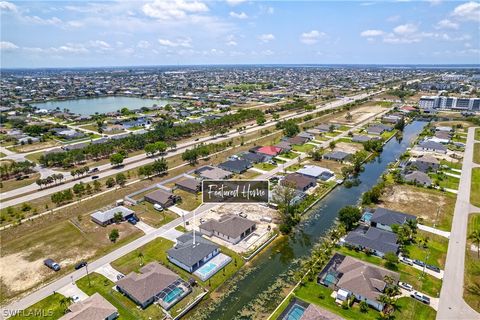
x: 254, y: 212
x: 335, y: 166
x: 360, y: 114
x: 348, y: 147
x: 424, y: 203
x: 27, y: 253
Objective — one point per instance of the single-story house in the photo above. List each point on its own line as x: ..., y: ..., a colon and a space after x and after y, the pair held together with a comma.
x: 299, y: 181
x: 316, y: 172
x: 426, y: 163
x: 433, y: 146
x: 236, y: 166
x: 189, y: 184
x: 391, y: 118
x: 353, y: 277
x: 337, y: 156
x: 325, y: 127
x: 94, y: 307
x: 269, y: 151
x: 297, y: 140
x: 162, y: 197
x: 378, y: 129
x: 104, y: 218
x: 252, y: 157
x: 361, y: 138
x: 153, y: 283
x: 213, y: 173
x: 384, y: 218
x: 284, y: 146
x: 444, y: 129
x: 28, y: 139
x: 418, y: 177
x: 189, y: 255
x: 306, y: 135
x: 231, y: 228
x: 377, y: 240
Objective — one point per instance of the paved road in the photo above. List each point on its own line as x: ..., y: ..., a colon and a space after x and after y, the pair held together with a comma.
x: 452, y: 306
x: 140, y: 160
x: 164, y: 231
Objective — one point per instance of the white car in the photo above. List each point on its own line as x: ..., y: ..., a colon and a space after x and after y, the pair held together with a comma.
x: 75, y: 299
x: 157, y: 207
x: 405, y: 286
x: 407, y: 261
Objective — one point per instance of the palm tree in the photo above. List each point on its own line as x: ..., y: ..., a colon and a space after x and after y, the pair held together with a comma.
x: 65, y: 302
x: 140, y: 256
x: 475, y: 237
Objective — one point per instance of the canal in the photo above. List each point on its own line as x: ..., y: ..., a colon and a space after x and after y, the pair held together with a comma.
x: 277, y: 259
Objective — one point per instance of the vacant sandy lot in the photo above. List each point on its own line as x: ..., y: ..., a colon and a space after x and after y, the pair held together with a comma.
x: 348, y: 147
x: 361, y: 114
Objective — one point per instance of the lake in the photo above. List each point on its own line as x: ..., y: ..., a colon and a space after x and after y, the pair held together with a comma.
x: 89, y: 106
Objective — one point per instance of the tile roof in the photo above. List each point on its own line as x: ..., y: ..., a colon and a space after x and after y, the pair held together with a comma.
x: 188, y: 253
x: 94, y: 307
x: 390, y: 217
x: 230, y: 225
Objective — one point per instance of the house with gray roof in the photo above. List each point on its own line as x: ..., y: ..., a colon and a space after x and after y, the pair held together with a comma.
x: 361, y: 138
x: 316, y: 172
x: 378, y: 241
x: 426, y: 163
x: 432, y: 146
x: 162, y: 197
x: 94, y: 307
x: 418, y: 178
x: 236, y: 166
x: 213, y: 173
x: 384, y: 219
x: 189, y: 184
x: 231, y: 228
x: 252, y: 157
x: 105, y: 218
x: 284, y: 145
x: 154, y: 283
x: 191, y: 255
x: 339, y: 156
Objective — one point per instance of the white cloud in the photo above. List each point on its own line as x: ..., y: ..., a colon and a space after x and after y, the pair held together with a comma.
x: 240, y: 15
x: 267, y: 37
x: 181, y: 42
x: 446, y: 24
x: 232, y: 43
x: 394, y: 18
x: 372, y: 33
x: 7, y: 46
x: 42, y: 21
x: 267, y: 53
x: 99, y: 44
x: 6, y: 6
x: 435, y: 2
x: 311, y: 37
x: 235, y: 2
x: 468, y: 11
x: 405, y: 29
x: 142, y: 44
x: 173, y: 9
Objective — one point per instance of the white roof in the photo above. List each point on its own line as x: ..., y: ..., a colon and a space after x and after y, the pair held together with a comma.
x: 104, y: 216
x: 313, y: 171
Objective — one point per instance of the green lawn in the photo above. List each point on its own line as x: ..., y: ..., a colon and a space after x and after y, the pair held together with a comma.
x: 180, y: 228
x: 333, y: 134
x: 453, y: 165
x: 477, y: 134
x: 295, y: 167
x: 445, y: 181
x: 475, y: 191
x: 126, y: 308
x: 156, y: 250
x: 472, y: 267
x: 148, y: 214
x: 410, y: 309
x: 437, y: 249
x: 189, y: 201
x: 264, y: 166
x: 429, y: 284
x: 289, y: 155
x: 476, y: 153
x: 473, y: 222
x: 388, y: 134
x: 303, y: 148
x: 51, y: 308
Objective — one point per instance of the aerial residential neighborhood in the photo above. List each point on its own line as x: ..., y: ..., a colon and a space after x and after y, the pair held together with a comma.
x: 263, y: 160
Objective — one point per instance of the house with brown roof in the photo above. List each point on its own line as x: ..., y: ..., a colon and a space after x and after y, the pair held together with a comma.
x: 298, y: 181
x: 231, y: 228
x: 154, y: 283
x: 189, y: 184
x: 94, y: 307
x: 162, y: 197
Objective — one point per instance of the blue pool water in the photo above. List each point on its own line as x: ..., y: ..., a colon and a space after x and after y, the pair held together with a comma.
x: 172, y: 295
x: 367, y: 216
x: 207, y: 268
x: 295, y: 313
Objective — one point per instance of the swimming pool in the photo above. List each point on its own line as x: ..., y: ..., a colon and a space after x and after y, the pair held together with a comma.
x: 172, y: 295
x: 213, y: 266
x: 295, y: 312
x: 367, y: 216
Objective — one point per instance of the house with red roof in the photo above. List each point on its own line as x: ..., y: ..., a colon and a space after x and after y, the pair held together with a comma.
x: 270, y: 151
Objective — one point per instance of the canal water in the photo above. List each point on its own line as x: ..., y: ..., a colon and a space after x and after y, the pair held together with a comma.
x: 89, y: 106
x: 279, y: 258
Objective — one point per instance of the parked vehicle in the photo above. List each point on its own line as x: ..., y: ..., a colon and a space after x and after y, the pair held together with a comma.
x: 407, y: 261
x: 94, y: 170
x: 120, y: 276
x: 51, y: 264
x: 80, y: 265
x: 157, y: 207
x: 132, y: 220
x: 95, y: 177
x: 419, y: 263
x: 433, y: 268
x: 405, y: 286
x: 420, y: 297
x: 243, y: 215
x: 75, y: 299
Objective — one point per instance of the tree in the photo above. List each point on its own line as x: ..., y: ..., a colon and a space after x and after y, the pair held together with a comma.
x: 79, y: 188
x: 400, y: 124
x: 160, y: 166
x: 283, y: 198
x: 475, y: 237
x: 363, y: 306
x: 97, y: 186
x: 348, y: 116
x: 261, y: 119
x: 117, y: 217
x: 391, y: 260
x: 120, y: 179
x: 150, y: 149
x: 110, y: 182
x: 190, y: 155
x: 116, y: 159
x: 114, y: 235
x: 332, y: 144
x: 349, y: 216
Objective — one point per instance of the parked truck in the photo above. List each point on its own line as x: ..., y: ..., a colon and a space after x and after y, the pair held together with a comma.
x: 51, y: 264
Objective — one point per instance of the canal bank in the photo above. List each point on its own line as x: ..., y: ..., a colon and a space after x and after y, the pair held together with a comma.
x: 273, y: 268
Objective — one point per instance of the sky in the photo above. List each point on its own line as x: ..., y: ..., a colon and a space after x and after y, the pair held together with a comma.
x: 185, y: 32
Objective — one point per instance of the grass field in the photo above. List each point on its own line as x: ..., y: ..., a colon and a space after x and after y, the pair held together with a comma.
x: 476, y: 153
x: 189, y: 201
x: 51, y: 308
x: 471, y: 293
x: 445, y: 181
x: 265, y: 166
x: 475, y: 190
x: 436, y: 247
x: 429, y: 284
x: 289, y: 155
x: 156, y: 250
x: 454, y: 165
x: 249, y: 174
x: 126, y: 307
x: 147, y: 213
x: 303, y: 148
x: 12, y: 184
x: 477, y: 134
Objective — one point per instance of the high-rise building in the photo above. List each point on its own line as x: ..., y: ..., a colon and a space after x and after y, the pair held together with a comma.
x: 449, y: 103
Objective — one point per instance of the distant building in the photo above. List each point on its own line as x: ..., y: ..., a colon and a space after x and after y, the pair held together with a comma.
x: 449, y: 103
x: 316, y: 172
x: 235, y: 166
x: 432, y: 146
x: 189, y: 184
x: 426, y: 163
x: 213, y: 173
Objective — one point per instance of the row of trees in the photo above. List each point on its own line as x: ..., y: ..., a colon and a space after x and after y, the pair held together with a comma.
x: 290, y: 127
x: 11, y: 169
x: 158, y: 167
x: 203, y: 150
x: 52, y: 179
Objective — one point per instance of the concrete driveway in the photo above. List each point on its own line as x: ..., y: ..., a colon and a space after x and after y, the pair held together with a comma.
x: 144, y: 227
x: 71, y: 290
x: 433, y: 301
x: 109, y: 272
